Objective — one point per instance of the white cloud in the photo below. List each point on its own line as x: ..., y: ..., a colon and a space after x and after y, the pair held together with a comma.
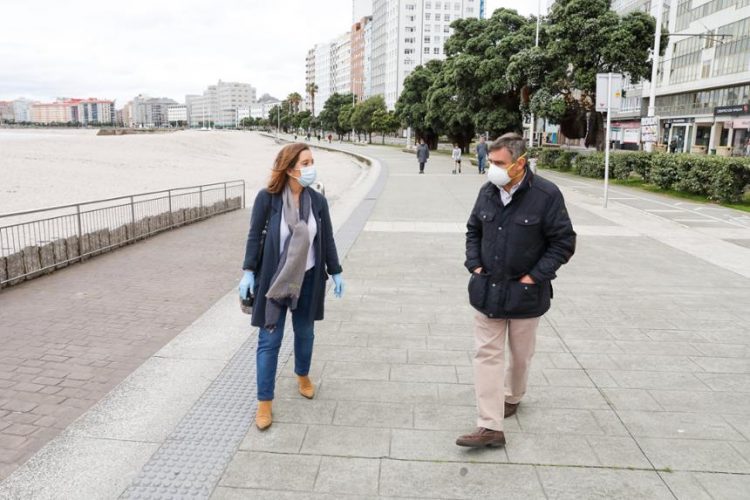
x: 160, y: 47
x: 107, y: 49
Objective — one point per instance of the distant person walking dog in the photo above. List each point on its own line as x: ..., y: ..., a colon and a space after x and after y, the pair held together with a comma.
x: 423, y: 153
x: 481, y: 154
x: 518, y: 235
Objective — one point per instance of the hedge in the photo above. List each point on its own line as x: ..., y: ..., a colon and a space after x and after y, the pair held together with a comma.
x: 717, y: 178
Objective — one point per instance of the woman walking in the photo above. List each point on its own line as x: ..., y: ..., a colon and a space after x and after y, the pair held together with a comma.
x: 289, y: 254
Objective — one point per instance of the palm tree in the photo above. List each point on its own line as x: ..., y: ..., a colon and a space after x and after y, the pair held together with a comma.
x: 294, y: 99
x: 311, y: 90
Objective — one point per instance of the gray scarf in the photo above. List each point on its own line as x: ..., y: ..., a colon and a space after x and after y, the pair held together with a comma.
x: 286, y: 284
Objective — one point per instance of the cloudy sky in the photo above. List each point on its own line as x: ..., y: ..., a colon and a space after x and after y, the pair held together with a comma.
x: 116, y: 50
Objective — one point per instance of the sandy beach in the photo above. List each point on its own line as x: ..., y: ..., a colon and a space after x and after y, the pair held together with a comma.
x: 42, y: 168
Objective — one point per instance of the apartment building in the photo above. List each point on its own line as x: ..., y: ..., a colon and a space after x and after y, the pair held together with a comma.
x: 703, y: 81
x: 408, y: 33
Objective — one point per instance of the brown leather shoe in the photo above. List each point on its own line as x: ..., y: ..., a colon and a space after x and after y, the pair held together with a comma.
x: 511, y: 409
x: 482, y: 438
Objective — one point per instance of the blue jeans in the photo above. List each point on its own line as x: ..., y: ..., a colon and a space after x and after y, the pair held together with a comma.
x: 269, y: 342
x: 481, y: 161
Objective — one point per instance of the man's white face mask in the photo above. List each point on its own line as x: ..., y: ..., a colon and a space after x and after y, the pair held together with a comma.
x: 500, y: 176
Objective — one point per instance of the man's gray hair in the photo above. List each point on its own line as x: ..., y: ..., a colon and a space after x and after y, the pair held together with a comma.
x: 514, y: 143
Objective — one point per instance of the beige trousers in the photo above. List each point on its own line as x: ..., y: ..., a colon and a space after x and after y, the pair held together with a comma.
x: 492, y: 383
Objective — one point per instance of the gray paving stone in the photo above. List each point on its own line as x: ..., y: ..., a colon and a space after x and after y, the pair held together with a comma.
x: 658, y: 380
x: 424, y: 373
x: 586, y: 483
x: 707, y: 486
x: 723, y: 365
x: 440, y: 446
x: 679, y: 425
x: 449, y: 343
x: 354, y: 476
x: 708, y: 402
x: 279, y: 438
x: 655, y: 363
x: 397, y: 341
x: 457, y: 480
x: 356, y: 370
x: 226, y: 493
x: 618, y: 452
x: 360, y: 354
x: 537, y: 420
x: 435, y: 357
x: 299, y: 411
x: 346, y: 441
x: 550, y: 449
x: 631, y: 399
x: 566, y: 397
x: 457, y: 394
x: 369, y: 414
x: 437, y: 417
x: 697, y: 455
x: 270, y: 470
x: 567, y: 378
x: 340, y: 338
x: 376, y: 390
x: 739, y: 422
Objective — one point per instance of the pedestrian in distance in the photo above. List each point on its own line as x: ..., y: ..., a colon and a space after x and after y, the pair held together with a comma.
x: 481, y: 154
x: 423, y: 153
x: 456, y: 155
x: 518, y: 235
x: 289, y: 254
x: 330, y: 137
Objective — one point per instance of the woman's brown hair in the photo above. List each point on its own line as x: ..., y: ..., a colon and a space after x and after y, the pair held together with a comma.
x: 286, y: 159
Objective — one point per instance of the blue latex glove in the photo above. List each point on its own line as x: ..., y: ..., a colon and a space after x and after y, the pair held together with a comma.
x: 338, y: 281
x: 247, y: 283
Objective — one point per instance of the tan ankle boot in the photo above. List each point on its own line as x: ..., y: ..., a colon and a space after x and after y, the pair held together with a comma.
x: 306, y: 387
x: 263, y: 417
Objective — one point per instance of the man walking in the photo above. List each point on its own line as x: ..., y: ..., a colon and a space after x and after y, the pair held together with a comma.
x: 423, y: 152
x: 518, y: 235
x: 481, y: 154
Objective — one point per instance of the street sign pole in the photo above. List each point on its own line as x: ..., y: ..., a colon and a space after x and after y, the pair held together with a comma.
x: 606, y: 145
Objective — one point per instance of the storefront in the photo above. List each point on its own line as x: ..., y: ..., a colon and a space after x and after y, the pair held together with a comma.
x: 732, y: 130
x: 626, y: 134
x: 677, y: 134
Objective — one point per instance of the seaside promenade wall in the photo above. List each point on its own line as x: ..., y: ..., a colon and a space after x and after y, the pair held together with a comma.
x: 52, y: 247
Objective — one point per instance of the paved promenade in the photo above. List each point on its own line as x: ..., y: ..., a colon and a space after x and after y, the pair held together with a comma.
x: 640, y: 387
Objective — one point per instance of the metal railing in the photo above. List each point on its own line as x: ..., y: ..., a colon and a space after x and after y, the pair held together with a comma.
x: 39, y: 241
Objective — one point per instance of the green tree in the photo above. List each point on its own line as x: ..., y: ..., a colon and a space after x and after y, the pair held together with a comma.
x: 411, y: 107
x: 385, y: 122
x: 579, y: 39
x: 312, y: 90
x: 362, y: 116
x: 448, y: 109
x: 478, y: 54
x: 329, y: 116
x: 345, y: 118
x: 294, y: 100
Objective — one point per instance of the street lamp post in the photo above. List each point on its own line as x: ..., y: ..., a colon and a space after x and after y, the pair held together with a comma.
x: 649, y: 146
x: 536, y: 44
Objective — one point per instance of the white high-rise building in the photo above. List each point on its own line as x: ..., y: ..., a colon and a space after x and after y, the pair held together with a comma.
x: 341, y: 73
x: 322, y: 75
x: 360, y: 9
x: 219, y: 103
x: 703, y: 82
x: 407, y: 33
